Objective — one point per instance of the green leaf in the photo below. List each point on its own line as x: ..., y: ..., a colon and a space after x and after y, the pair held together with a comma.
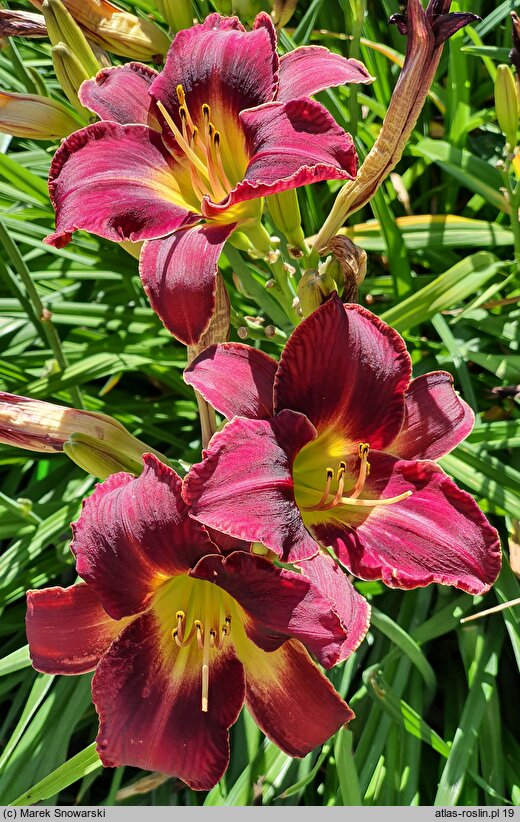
x: 75, y: 768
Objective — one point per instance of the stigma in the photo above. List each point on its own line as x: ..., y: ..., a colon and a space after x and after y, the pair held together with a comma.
x: 208, y: 635
x: 353, y: 497
x: 201, y: 147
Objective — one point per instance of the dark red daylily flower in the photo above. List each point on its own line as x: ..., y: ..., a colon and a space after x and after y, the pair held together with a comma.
x: 180, y: 635
x: 182, y: 158
x: 334, y: 443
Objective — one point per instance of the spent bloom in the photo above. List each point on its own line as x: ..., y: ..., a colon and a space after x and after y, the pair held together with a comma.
x: 180, y: 634
x: 427, y: 30
x: 335, y: 445
x: 182, y: 158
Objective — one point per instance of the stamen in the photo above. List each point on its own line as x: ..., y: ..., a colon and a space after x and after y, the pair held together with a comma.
x: 190, y: 154
x: 205, y: 671
x: 373, y: 503
x: 363, y: 449
x: 325, y: 495
x: 220, y: 167
x: 181, y: 97
x: 339, y: 492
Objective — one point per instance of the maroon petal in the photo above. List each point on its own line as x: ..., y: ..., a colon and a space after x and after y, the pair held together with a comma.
x: 345, y: 369
x: 236, y: 379
x: 438, y: 534
x: 290, y: 144
x: 120, y: 94
x: 119, y: 182
x: 291, y: 700
x: 436, y: 419
x: 134, y: 533
x: 244, y: 486
x: 310, y: 69
x: 219, y: 63
x: 179, y: 275
x: 147, y: 693
x: 351, y: 607
x: 280, y: 604
x: 68, y: 629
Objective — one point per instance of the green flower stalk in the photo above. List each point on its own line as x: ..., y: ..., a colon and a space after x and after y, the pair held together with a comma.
x: 427, y: 30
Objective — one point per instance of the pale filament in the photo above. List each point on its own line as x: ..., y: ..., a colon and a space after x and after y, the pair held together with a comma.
x: 352, y: 499
x: 206, y: 640
x: 208, y: 177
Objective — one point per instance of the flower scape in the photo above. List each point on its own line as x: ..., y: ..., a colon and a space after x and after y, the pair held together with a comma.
x: 257, y: 598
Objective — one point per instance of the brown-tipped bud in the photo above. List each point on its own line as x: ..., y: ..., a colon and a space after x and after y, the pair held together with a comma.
x: 95, y: 441
x: 17, y: 23
x: 177, y: 13
x: 71, y: 74
x: 63, y: 28
x: 313, y: 289
x: 347, y: 265
x: 30, y: 115
x: 506, y: 103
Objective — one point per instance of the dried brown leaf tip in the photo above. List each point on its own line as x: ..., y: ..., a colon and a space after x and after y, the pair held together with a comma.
x: 437, y: 17
x: 16, y: 23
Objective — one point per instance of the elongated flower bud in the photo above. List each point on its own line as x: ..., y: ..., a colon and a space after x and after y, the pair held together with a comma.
x: 177, y: 13
x: 62, y: 28
x: 96, y: 442
x: 115, y: 30
x: 17, y: 23
x: 283, y: 10
x: 285, y: 212
x: 506, y: 103
x: 71, y: 74
x: 30, y: 115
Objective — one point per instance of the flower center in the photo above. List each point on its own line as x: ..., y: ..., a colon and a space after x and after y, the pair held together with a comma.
x: 306, y: 476
x: 201, y: 147
x: 200, y: 623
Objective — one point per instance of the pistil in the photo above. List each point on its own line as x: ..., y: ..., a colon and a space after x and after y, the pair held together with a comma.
x: 206, y: 638
x: 352, y: 499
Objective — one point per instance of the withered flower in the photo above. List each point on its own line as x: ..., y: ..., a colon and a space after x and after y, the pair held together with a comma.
x: 427, y: 30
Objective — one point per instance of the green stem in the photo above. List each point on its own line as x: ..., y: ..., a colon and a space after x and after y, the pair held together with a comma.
x: 354, y: 52
x: 261, y: 242
x: 41, y: 316
x: 514, y: 200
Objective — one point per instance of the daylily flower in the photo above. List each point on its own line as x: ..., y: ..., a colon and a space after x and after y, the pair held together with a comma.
x: 180, y: 635
x: 184, y: 157
x: 334, y: 443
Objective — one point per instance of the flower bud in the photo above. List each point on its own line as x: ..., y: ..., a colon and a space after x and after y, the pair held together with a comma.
x: 313, y: 289
x: 95, y: 441
x: 506, y: 103
x: 177, y: 13
x: 71, y: 74
x: 30, y: 115
x: 92, y: 457
x: 62, y: 28
x: 347, y: 265
x: 283, y: 10
x: 285, y: 213
x: 18, y: 23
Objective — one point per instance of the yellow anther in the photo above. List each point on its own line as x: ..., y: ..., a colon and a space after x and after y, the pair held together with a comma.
x: 206, y: 111
x: 330, y: 473
x: 181, y: 97
x: 180, y: 615
x: 363, y: 449
x: 216, y: 138
x: 183, y: 113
